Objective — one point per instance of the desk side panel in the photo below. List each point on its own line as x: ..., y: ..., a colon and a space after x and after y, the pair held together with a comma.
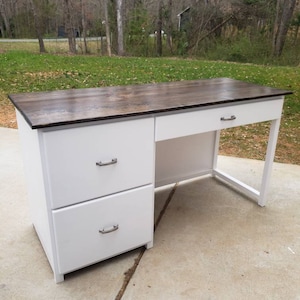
x: 35, y: 184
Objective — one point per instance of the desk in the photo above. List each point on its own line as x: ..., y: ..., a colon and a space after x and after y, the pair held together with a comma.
x: 93, y: 157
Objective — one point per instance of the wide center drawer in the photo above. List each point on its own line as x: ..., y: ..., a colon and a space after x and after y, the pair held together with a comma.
x: 88, y: 162
x: 210, y: 119
x: 98, y: 229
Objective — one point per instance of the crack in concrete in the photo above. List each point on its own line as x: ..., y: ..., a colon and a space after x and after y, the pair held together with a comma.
x: 130, y: 272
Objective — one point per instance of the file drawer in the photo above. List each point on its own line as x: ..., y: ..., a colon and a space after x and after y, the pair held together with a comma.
x: 93, y: 231
x: 88, y: 162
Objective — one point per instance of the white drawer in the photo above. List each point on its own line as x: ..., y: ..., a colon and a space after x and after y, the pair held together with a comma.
x: 204, y: 120
x: 78, y: 239
x: 71, y: 156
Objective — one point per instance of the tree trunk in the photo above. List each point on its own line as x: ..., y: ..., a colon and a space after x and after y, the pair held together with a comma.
x: 3, y: 13
x: 279, y: 5
x: 83, y: 23
x: 2, y: 31
x: 169, y: 25
x: 159, y: 30
x: 69, y: 26
x: 37, y: 24
x: 107, y: 28
x: 120, y: 28
x: 283, y: 26
x: 41, y: 44
x: 296, y: 34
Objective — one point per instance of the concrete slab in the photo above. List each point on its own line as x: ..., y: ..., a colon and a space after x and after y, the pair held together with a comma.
x: 214, y: 243
x: 211, y: 242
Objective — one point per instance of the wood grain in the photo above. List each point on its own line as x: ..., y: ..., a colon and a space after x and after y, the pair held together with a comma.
x: 46, y: 109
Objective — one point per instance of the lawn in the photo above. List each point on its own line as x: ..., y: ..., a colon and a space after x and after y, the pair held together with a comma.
x: 22, y: 71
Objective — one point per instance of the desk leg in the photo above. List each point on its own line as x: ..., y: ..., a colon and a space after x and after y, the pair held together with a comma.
x: 216, y: 150
x: 273, y: 135
x: 149, y: 245
x: 261, y: 195
x: 58, y: 278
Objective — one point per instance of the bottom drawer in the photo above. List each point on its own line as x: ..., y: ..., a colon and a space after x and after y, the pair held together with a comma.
x: 93, y: 231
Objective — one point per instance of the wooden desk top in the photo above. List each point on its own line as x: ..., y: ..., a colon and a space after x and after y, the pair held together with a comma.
x: 46, y: 109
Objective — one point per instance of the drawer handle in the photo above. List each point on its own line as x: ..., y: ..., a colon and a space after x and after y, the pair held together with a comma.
x: 109, y: 229
x: 107, y: 163
x: 233, y: 117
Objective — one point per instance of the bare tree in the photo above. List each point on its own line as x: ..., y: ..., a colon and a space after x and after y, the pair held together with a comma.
x: 6, y: 11
x: 204, y: 21
x: 296, y: 24
x: 284, y: 16
x: 169, y: 25
x: 119, y: 6
x: 83, y: 24
x: 107, y: 28
x: 159, y: 28
x: 37, y: 11
x: 69, y: 26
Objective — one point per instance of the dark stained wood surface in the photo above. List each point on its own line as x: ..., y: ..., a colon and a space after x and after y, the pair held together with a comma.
x: 46, y: 109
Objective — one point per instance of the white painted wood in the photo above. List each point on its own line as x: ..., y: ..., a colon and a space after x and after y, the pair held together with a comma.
x: 260, y: 195
x: 184, y: 158
x: 36, y: 161
x: 58, y: 278
x: 149, y: 245
x: 216, y: 149
x: 71, y: 156
x: 41, y: 216
x: 205, y: 120
x: 237, y: 184
x: 78, y: 240
x: 273, y: 135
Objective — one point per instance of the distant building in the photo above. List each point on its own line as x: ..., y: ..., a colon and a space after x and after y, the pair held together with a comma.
x: 184, y: 19
x: 61, y: 32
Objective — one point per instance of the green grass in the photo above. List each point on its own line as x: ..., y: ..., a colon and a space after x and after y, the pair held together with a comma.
x: 27, y: 72
x: 53, y: 46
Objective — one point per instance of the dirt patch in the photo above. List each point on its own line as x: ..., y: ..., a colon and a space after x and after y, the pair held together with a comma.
x: 7, y: 116
x: 44, y: 75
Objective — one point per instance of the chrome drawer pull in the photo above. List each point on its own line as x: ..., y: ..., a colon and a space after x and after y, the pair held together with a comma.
x: 107, y: 163
x: 109, y: 229
x: 233, y: 117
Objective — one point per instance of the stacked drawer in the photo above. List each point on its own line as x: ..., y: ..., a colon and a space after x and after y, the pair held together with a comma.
x: 99, y: 181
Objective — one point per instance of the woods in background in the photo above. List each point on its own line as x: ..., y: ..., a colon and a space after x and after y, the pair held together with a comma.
x: 156, y: 27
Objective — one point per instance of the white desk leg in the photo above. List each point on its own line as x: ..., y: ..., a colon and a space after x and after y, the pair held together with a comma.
x: 58, y: 278
x: 261, y: 195
x: 216, y: 150
x: 273, y: 135
x: 149, y: 245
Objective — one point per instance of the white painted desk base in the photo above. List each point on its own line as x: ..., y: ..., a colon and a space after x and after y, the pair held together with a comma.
x: 203, y: 150
x: 183, y: 145
x: 185, y: 157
